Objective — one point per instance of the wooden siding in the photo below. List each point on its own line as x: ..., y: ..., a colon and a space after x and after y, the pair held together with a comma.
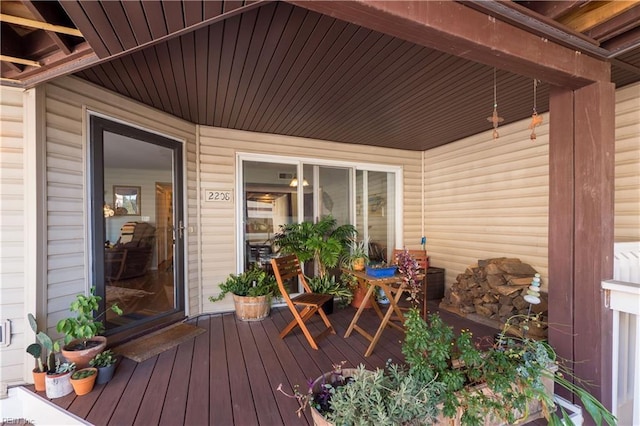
x: 218, y: 148
x: 66, y: 103
x: 12, y: 231
x: 627, y: 174
x: 488, y: 198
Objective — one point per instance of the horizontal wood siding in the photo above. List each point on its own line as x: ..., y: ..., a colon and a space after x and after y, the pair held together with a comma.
x: 627, y: 171
x: 218, y: 148
x: 66, y: 102
x: 12, y: 231
x: 488, y: 198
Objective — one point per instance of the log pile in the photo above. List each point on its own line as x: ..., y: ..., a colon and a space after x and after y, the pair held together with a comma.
x: 494, y: 289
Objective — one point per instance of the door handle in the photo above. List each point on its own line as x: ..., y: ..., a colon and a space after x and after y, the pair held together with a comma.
x: 180, y: 229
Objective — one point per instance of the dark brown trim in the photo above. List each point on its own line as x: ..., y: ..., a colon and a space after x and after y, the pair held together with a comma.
x: 467, y: 33
x: 594, y: 220
x: 561, y: 224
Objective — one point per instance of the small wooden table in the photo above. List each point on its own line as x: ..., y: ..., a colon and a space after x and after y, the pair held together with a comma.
x: 393, y: 288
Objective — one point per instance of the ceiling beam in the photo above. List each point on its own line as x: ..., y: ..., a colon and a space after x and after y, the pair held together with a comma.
x: 39, y: 25
x: 453, y: 28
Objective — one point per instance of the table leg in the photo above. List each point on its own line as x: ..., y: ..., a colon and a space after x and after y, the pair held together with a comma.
x: 368, y: 295
x: 393, y: 307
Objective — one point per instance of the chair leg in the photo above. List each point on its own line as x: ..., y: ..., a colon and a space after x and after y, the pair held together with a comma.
x: 299, y: 320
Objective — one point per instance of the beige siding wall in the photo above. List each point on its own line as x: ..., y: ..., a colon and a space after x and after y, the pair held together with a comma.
x: 627, y: 182
x: 218, y: 148
x: 67, y: 101
x: 488, y: 198
x: 12, y: 231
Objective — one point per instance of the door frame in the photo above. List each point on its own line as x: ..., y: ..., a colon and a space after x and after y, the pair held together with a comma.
x: 97, y: 124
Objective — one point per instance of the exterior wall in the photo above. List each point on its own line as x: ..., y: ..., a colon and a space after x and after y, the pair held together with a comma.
x: 488, y: 198
x: 217, y: 153
x: 627, y: 173
x: 12, y: 231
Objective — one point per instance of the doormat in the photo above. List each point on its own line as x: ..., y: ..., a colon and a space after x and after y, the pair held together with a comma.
x: 157, y: 342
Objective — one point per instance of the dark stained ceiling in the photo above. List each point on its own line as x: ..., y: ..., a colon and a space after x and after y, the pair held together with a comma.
x: 283, y: 68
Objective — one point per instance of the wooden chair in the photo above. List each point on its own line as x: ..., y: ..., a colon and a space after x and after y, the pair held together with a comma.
x: 286, y: 268
x: 422, y: 259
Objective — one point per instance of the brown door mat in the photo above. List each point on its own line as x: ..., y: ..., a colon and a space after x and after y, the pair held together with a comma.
x: 157, y: 342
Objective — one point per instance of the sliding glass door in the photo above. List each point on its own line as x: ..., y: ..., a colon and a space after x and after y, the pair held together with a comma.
x: 276, y: 193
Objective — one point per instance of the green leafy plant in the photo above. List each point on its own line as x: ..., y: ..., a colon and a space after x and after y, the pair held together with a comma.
x: 389, y: 396
x: 254, y: 282
x: 83, y: 374
x: 63, y: 367
x: 84, y: 325
x: 357, y: 249
x: 103, y: 359
x: 329, y: 285
x: 323, y: 242
x: 513, y: 368
x: 43, y: 351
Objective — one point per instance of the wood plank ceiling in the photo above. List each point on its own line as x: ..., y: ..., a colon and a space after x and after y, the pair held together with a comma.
x: 274, y: 67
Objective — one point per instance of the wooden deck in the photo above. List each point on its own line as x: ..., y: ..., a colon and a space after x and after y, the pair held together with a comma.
x: 230, y: 374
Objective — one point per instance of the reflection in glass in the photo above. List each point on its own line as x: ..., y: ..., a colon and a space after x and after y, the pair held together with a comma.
x: 138, y: 254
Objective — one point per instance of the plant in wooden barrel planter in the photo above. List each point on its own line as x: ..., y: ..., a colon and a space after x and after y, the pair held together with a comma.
x: 252, y: 292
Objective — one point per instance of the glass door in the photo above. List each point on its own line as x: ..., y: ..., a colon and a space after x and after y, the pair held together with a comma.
x: 137, y: 223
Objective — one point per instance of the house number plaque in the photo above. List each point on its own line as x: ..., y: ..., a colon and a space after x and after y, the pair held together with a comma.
x: 218, y: 196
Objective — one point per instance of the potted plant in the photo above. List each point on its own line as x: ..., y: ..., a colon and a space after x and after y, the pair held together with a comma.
x: 252, y: 291
x: 82, y: 340
x: 105, y: 362
x: 58, y: 380
x: 83, y: 380
x: 389, y: 396
x: 325, y: 243
x: 329, y: 285
x: 43, y: 353
x: 357, y: 256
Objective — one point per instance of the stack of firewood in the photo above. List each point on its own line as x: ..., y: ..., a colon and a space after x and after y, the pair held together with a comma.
x: 494, y: 289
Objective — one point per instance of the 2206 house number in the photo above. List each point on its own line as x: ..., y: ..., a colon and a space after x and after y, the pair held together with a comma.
x: 219, y: 196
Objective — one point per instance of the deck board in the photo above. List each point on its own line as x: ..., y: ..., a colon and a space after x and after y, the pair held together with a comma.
x: 230, y: 374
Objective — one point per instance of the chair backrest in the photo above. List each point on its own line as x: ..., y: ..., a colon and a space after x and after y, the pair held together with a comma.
x: 286, y: 268
x: 137, y: 234
x: 420, y: 257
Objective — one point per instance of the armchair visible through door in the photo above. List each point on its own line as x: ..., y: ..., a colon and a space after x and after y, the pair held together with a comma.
x: 286, y: 268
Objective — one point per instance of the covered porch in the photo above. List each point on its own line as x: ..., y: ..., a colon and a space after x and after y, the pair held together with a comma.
x: 230, y: 374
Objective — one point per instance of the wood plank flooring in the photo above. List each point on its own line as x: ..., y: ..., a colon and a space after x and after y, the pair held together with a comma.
x: 230, y: 374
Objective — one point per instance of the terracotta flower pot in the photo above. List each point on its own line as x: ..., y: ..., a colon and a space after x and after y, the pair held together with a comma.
x: 358, y: 297
x: 84, y: 385
x: 38, y: 380
x: 82, y: 356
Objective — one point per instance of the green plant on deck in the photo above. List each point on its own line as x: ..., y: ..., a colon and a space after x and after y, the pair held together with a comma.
x: 43, y: 351
x: 84, y: 325
x: 512, y: 367
x: 83, y: 374
x: 329, y: 285
x: 323, y: 242
x: 254, y: 282
x: 103, y: 359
